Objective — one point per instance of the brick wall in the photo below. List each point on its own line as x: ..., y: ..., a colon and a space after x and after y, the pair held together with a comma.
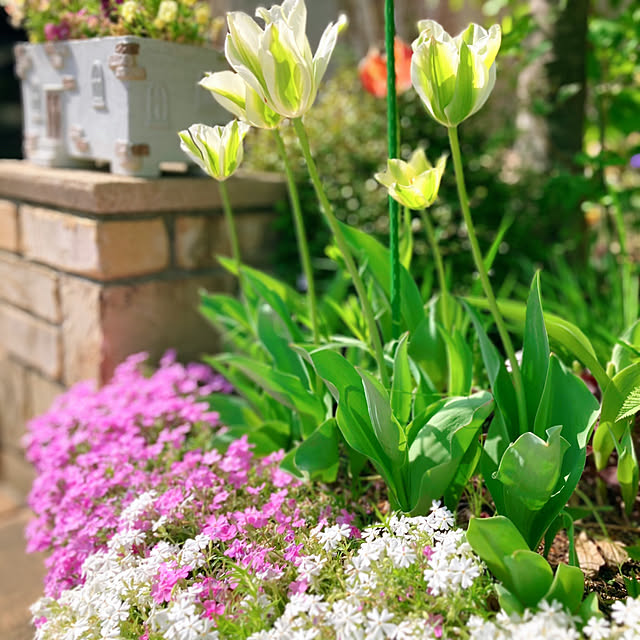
x: 94, y: 267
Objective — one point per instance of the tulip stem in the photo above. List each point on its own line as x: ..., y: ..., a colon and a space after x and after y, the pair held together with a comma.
x: 341, y: 241
x: 437, y: 256
x: 392, y: 142
x: 231, y: 225
x: 301, y: 236
x: 484, y: 279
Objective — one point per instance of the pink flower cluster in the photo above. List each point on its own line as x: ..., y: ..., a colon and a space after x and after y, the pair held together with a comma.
x: 96, y: 450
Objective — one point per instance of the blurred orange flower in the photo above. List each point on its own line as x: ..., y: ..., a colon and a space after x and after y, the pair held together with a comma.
x: 373, y: 69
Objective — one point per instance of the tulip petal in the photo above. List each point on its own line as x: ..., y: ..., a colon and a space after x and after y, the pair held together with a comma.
x: 461, y: 103
x: 325, y: 48
x: 240, y: 45
x: 229, y: 90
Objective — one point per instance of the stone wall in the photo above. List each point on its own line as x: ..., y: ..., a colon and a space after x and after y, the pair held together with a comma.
x: 94, y: 267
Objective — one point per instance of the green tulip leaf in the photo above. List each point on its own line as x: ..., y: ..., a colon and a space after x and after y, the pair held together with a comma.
x: 494, y: 540
x: 385, y: 425
x: 316, y: 457
x: 535, y: 350
x: 567, y: 587
x: 402, y: 383
x: 530, y: 575
x: 560, y: 332
x: 530, y: 467
x: 627, y: 472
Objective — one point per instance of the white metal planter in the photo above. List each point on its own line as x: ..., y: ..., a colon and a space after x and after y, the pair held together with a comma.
x: 119, y: 100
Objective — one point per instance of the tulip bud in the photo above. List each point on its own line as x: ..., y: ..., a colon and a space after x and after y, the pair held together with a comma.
x: 454, y: 76
x: 237, y: 97
x: 277, y: 61
x: 413, y: 184
x: 217, y: 150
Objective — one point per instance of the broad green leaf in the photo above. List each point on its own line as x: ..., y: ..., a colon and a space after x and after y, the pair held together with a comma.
x: 272, y: 298
x: 438, y: 447
x: 589, y: 608
x: 609, y: 431
x: 535, y: 351
x: 377, y: 260
x: 495, y: 445
x: 275, y: 338
x: 623, y: 356
x: 495, y: 539
x: 460, y: 363
x: 241, y: 384
x: 318, y: 455
x: 402, y: 383
x: 627, y: 471
x: 499, y: 379
x: 288, y: 294
x: 466, y: 468
x: 269, y: 437
x: 530, y: 469
x: 283, y: 387
x: 427, y: 348
x: 385, y: 426
x: 508, y: 602
x: 224, y: 311
x: 567, y: 587
x: 233, y: 411
x: 560, y: 332
x: 572, y: 405
x: 353, y: 414
x: 530, y: 575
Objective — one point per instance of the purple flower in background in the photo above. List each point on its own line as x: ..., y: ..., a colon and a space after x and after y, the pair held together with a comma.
x: 64, y: 31
x: 51, y: 31
x: 635, y: 161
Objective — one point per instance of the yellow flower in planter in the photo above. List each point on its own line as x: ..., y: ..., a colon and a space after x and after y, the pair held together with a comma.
x: 454, y: 76
x: 237, y: 97
x: 202, y: 14
x: 413, y: 184
x: 217, y: 150
x: 167, y: 11
x: 277, y: 61
x: 129, y: 10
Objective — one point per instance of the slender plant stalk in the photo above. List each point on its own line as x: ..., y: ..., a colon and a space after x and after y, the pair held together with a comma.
x: 301, y: 236
x: 393, y: 143
x: 629, y: 303
x: 332, y: 221
x: 484, y: 278
x: 231, y: 225
x: 437, y: 256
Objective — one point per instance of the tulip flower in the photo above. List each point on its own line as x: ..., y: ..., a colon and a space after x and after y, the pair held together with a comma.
x: 413, y: 184
x: 237, y: 97
x: 373, y: 70
x: 454, y: 76
x: 217, y: 150
x: 276, y: 62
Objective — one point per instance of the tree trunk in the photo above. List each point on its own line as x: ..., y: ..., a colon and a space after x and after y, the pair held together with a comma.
x: 552, y: 90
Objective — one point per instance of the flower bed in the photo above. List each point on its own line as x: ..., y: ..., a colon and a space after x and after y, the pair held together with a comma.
x: 154, y: 538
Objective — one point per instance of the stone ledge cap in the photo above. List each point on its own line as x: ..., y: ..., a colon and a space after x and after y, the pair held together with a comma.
x: 102, y: 193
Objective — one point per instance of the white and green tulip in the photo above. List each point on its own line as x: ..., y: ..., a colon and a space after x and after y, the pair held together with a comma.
x: 276, y: 61
x: 240, y: 99
x: 413, y: 184
x: 454, y: 76
x: 217, y: 150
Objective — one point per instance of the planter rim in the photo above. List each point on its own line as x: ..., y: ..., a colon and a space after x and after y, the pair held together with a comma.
x: 125, y: 38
